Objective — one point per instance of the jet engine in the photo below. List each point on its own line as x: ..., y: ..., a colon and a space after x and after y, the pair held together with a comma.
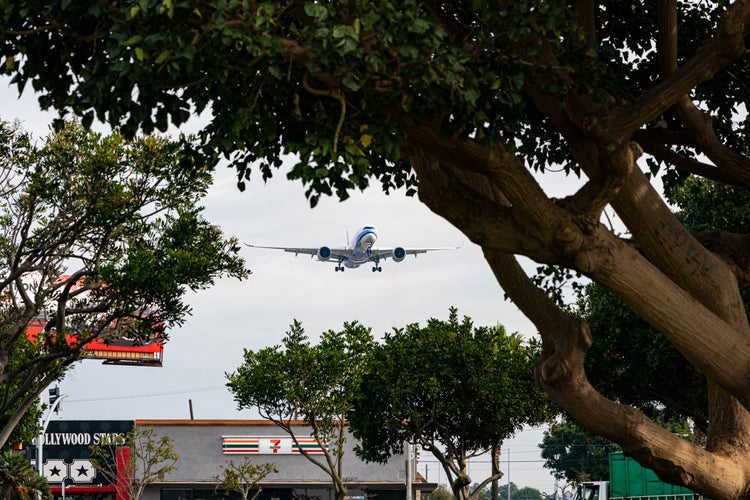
x: 324, y: 253
x: 399, y: 254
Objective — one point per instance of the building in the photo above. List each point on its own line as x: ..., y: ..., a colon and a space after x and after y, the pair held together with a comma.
x: 204, y: 446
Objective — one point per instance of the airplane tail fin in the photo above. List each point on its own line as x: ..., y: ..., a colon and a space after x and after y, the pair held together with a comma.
x: 347, y: 240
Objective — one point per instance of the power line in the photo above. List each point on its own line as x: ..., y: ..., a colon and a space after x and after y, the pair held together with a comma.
x: 150, y: 395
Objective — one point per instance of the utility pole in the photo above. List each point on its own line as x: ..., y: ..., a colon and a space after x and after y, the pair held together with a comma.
x: 408, y: 451
x: 508, y: 450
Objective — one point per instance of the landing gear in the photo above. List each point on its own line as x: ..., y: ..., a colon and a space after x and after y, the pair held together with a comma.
x: 340, y: 268
x: 377, y: 268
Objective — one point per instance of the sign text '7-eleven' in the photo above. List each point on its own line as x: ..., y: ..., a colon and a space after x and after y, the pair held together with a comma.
x: 268, y: 445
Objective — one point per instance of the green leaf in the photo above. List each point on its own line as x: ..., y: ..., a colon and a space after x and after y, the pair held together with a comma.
x: 350, y: 82
x: 419, y: 26
x: 133, y: 40
x: 342, y: 30
x: 408, y: 51
x: 316, y: 11
x: 163, y: 56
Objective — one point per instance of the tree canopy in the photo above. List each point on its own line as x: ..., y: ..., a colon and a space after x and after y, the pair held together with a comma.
x: 100, y: 238
x: 466, y: 99
x: 575, y: 455
x: 457, y: 390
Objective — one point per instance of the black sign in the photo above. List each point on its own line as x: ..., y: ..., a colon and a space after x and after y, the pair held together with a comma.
x: 66, y: 448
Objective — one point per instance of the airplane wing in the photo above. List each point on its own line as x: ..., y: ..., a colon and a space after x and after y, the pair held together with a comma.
x: 398, y: 253
x: 335, y: 253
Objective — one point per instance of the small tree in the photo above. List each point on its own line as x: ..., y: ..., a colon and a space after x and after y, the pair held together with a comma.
x: 314, y: 384
x: 243, y: 477
x: 19, y: 480
x: 134, y: 461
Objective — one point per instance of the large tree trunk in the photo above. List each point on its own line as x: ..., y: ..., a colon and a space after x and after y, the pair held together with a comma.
x: 668, y: 277
x: 494, y: 490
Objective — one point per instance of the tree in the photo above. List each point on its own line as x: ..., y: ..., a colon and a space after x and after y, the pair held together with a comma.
x: 439, y: 493
x: 525, y: 493
x: 508, y: 488
x: 19, y: 480
x: 457, y: 390
x: 314, y: 384
x: 134, y: 461
x: 468, y: 99
x: 528, y: 493
x: 575, y: 455
x: 481, y: 493
x: 100, y: 238
x: 244, y: 477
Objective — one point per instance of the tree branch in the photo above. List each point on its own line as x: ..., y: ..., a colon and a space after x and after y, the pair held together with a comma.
x: 690, y: 165
x: 733, y: 249
x: 698, y: 124
x: 493, y: 185
x: 726, y: 45
x: 587, y: 18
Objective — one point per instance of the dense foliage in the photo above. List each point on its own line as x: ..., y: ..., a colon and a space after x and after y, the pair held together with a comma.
x: 318, y: 79
x: 456, y: 389
x: 525, y: 493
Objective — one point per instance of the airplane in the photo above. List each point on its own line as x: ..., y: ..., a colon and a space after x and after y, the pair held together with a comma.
x: 359, y: 250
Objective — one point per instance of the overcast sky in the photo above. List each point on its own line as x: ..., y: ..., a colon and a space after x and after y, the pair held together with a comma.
x: 255, y: 313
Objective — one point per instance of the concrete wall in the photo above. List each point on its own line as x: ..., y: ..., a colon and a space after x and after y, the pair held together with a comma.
x: 199, y: 445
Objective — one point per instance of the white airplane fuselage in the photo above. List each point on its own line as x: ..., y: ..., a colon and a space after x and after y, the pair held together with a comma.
x: 360, y: 245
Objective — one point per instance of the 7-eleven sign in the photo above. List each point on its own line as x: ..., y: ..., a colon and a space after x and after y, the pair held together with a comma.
x: 267, y: 445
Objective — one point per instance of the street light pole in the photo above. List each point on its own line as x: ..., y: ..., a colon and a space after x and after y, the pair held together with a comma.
x: 40, y: 438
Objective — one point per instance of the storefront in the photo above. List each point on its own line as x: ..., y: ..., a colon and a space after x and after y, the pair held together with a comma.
x: 204, y: 446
